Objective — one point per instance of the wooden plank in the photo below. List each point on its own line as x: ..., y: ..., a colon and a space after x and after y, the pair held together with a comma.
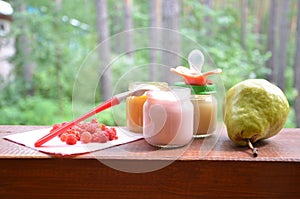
x: 70, y: 178
x: 225, y: 171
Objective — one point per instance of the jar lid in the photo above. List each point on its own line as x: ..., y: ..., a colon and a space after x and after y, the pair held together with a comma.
x: 159, y: 85
x: 207, y: 89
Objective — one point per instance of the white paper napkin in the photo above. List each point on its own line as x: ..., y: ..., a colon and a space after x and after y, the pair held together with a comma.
x: 56, y: 146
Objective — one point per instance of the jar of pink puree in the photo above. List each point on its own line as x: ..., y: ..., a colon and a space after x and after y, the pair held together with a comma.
x: 168, y: 117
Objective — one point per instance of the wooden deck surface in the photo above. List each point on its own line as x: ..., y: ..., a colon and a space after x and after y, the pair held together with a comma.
x: 207, y: 168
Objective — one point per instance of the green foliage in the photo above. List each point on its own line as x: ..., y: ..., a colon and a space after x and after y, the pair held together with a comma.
x: 106, y: 117
x: 225, y: 49
x: 34, y: 110
x: 61, y: 39
x: 290, y: 122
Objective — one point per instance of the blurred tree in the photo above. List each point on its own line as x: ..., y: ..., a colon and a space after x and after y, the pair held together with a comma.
x: 154, y: 36
x: 208, y: 19
x: 25, y: 50
x: 116, y: 25
x: 244, y: 13
x: 58, y: 56
x: 271, y: 42
x: 260, y: 10
x: 297, y: 70
x: 128, y: 25
x: 284, y: 31
x: 170, y: 39
x: 104, y: 51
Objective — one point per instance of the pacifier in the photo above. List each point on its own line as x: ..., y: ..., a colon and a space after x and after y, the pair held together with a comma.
x: 194, y: 76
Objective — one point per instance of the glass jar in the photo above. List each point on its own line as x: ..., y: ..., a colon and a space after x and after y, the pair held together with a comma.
x: 134, y: 105
x: 205, y: 109
x: 168, y: 118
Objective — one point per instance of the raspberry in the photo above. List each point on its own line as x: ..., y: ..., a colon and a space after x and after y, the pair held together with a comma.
x: 99, y: 137
x: 94, y: 120
x: 103, y: 127
x: 82, y: 125
x: 111, y: 132
x: 62, y: 124
x: 74, y: 132
x: 63, y: 137
x: 86, y: 137
x: 103, y: 138
x: 90, y: 127
x: 71, y: 139
x: 87, y: 132
x: 55, y: 126
x: 98, y: 130
x: 79, y: 129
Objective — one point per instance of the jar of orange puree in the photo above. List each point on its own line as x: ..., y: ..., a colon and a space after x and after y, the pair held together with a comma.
x: 134, y: 105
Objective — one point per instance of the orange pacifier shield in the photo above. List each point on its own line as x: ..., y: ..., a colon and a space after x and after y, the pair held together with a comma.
x: 193, y: 76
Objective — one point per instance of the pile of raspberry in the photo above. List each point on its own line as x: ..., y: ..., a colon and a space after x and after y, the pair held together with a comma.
x: 87, y: 132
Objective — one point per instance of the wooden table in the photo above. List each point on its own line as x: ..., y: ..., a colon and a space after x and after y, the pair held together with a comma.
x: 209, y: 168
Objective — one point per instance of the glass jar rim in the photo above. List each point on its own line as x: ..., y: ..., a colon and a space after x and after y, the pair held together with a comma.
x: 139, y: 85
x: 174, y: 93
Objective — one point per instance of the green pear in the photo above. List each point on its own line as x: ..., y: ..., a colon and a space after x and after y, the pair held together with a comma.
x: 254, y: 110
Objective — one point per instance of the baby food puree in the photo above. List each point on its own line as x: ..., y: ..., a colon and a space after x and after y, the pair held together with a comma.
x: 168, y: 117
x: 134, y: 104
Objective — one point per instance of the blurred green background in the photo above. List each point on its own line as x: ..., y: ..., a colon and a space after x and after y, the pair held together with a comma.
x: 53, y: 38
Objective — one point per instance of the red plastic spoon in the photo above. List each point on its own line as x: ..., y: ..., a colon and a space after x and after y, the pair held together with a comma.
x: 117, y: 99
